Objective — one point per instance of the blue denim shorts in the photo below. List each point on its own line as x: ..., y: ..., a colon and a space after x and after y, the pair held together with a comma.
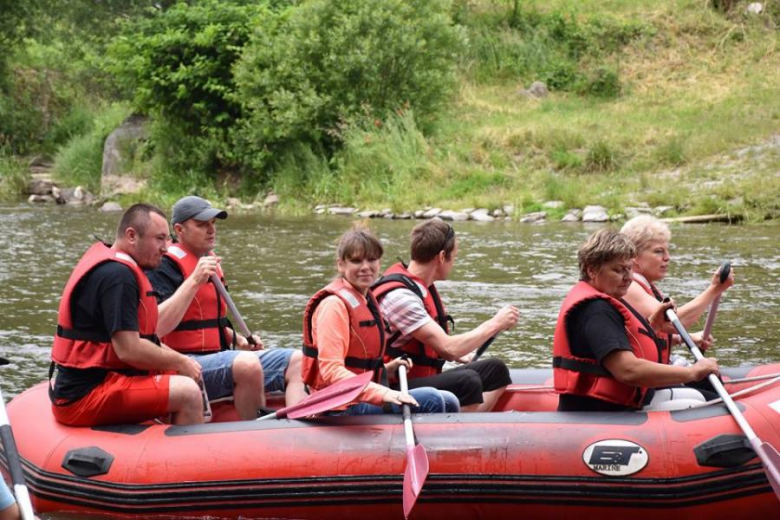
x: 6, y: 498
x: 275, y: 362
x: 217, y: 370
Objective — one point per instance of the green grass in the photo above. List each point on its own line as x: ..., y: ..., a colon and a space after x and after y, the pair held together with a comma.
x: 14, y: 177
x: 79, y: 162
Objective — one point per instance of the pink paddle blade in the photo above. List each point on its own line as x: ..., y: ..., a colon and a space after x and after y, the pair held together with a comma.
x: 334, y: 396
x: 414, y: 476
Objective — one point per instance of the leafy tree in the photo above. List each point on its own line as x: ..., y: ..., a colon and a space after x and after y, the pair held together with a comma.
x: 309, y: 69
x: 177, y: 65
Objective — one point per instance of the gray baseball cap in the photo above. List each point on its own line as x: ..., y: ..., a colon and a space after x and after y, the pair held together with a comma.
x: 197, y: 208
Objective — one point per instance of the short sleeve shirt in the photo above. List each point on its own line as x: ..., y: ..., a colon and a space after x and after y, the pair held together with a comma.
x: 405, y: 313
x: 165, y: 279
x: 104, y: 301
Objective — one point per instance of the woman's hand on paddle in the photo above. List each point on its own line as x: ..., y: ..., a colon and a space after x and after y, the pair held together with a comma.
x: 720, y: 288
x: 700, y: 341
x: 396, y: 397
x: 393, y: 364
x: 207, y: 265
x: 703, y: 368
x: 658, y: 319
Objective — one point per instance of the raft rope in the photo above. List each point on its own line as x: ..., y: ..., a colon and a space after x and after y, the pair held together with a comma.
x: 736, y: 395
x: 750, y: 379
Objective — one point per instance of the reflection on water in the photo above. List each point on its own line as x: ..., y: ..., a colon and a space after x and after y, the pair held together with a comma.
x: 274, y: 265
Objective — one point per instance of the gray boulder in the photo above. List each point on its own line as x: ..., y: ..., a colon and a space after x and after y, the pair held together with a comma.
x: 534, y: 218
x: 594, y: 214
x: 116, y: 150
x: 453, y: 215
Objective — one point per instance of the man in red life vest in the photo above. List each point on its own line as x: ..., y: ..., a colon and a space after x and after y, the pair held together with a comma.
x: 108, y: 358
x: 193, y: 318
x: 419, y: 329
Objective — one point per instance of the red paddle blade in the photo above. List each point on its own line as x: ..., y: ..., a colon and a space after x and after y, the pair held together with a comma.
x: 771, y: 459
x: 414, y: 476
x: 334, y: 396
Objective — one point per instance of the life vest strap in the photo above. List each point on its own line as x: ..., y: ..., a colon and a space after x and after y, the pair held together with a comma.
x: 93, y: 336
x: 202, y: 324
x: 354, y: 362
x: 417, y: 359
x: 576, y: 365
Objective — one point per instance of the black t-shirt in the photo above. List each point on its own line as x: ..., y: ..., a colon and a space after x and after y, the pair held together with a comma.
x: 105, y: 301
x: 599, y: 330
x: 165, y: 279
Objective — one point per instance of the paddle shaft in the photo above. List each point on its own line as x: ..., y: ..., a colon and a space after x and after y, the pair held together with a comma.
x: 232, y: 308
x: 14, y: 464
x: 407, y: 412
x: 773, y: 472
x: 724, y: 273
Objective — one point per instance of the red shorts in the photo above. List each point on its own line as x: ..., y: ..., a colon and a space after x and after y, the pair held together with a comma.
x: 119, y: 399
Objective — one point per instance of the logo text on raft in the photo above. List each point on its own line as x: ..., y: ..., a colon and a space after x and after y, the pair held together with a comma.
x: 615, y: 457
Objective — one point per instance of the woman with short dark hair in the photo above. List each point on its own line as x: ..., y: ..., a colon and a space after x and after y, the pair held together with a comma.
x: 606, y: 355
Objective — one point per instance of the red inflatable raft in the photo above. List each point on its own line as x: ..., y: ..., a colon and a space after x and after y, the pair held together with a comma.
x: 528, y: 462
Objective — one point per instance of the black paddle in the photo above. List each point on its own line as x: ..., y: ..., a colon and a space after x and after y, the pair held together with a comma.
x: 481, y: 350
x: 765, y: 451
x: 14, y: 463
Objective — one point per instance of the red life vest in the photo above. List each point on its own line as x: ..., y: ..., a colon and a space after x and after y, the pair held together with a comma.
x: 651, y: 289
x: 88, y: 349
x: 586, y: 377
x: 366, y: 334
x: 201, y: 329
x: 426, y: 361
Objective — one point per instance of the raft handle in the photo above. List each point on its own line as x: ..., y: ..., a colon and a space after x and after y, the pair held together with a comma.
x: 88, y: 462
x: 724, y: 451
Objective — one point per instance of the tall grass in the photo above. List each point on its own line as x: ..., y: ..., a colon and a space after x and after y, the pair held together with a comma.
x: 14, y: 176
x: 79, y: 162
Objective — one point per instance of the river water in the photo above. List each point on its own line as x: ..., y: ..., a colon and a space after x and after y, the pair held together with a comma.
x: 274, y: 265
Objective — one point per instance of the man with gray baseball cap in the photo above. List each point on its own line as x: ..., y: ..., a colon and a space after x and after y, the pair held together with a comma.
x: 196, y: 208
x: 193, y: 318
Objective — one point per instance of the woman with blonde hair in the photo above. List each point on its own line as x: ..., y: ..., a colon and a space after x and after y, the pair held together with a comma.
x: 651, y: 239
x: 606, y: 355
x: 344, y: 335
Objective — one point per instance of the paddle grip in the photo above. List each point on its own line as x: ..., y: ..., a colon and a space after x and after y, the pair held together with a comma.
x: 725, y: 270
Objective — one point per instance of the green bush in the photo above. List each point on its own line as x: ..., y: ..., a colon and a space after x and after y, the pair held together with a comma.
x: 177, y: 63
x: 322, y: 63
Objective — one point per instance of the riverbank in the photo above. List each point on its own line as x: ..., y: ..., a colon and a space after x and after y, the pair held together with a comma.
x: 669, y: 106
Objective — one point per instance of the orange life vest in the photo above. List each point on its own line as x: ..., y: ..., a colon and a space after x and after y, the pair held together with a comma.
x: 89, y: 349
x: 586, y: 377
x: 202, y: 328
x: 426, y: 361
x: 366, y: 334
x: 651, y: 289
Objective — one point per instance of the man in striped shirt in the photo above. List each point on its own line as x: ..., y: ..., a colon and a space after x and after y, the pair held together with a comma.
x: 418, y: 323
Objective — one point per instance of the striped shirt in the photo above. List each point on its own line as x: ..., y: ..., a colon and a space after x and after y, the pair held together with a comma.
x: 404, y: 311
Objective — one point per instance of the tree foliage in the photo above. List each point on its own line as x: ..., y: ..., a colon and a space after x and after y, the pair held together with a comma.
x: 311, y: 68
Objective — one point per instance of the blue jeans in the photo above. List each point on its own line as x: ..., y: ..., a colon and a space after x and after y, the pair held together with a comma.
x: 430, y: 400
x: 217, y: 370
